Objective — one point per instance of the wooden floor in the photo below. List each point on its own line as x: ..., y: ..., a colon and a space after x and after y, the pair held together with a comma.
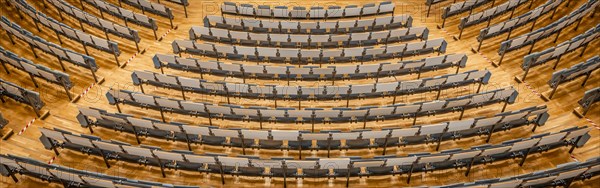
x: 62, y: 112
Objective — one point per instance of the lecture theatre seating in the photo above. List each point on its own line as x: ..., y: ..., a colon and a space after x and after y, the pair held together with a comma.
x: 125, y: 14
x: 313, y: 115
x: 315, y: 12
x: 556, y: 52
x: 491, y: 13
x: 337, y: 72
x: 326, y: 139
x: 12, y: 165
x: 50, y: 48
x: 356, y: 45
x: 315, y: 167
x: 582, y: 69
x: 313, y: 27
x: 563, y: 175
x: 460, y: 7
x: 99, y: 23
x: 360, y: 91
x: 555, y: 27
x: 78, y: 35
x: 35, y: 70
x: 21, y: 95
x: 512, y: 24
x: 589, y: 98
x: 308, y: 40
x: 304, y: 56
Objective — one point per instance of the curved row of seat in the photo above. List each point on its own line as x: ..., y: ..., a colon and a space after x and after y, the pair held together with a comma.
x: 10, y: 165
x: 102, y: 24
x: 563, y: 175
x: 152, y: 7
x: 310, y: 93
x: 65, y: 30
x: 585, y: 68
x: 326, y: 139
x: 61, y: 53
x: 310, y: 72
x: 489, y: 14
x: 556, y: 52
x: 308, y: 40
x: 460, y: 7
x: 21, y: 95
x: 315, y: 167
x: 313, y: 115
x: 304, y: 56
x: 590, y: 97
x: 555, y: 27
x: 511, y: 24
x: 319, y: 27
x: 53, y: 76
x: 315, y: 12
x: 123, y: 13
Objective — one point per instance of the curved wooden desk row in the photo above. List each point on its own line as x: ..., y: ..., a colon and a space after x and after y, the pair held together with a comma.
x: 564, y: 174
x: 11, y: 165
x: 308, y: 40
x: 359, y: 91
x: 512, y: 24
x: 35, y: 70
x: 123, y: 13
x: 304, y: 56
x: 102, y: 24
x: 556, y: 52
x: 460, y: 7
x: 34, y: 41
x: 21, y: 95
x: 325, y: 139
x: 319, y: 27
x: 315, y: 12
x: 65, y: 30
x: 546, y: 31
x: 489, y: 14
x: 315, y: 167
x: 155, y: 8
x: 370, y: 113
x: 582, y: 69
x: 589, y: 98
x: 339, y: 72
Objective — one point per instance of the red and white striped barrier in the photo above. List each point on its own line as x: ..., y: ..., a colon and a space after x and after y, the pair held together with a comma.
x: 131, y: 58
x: 51, y: 160
x: 26, y: 126
x: 164, y: 35
x: 573, y: 157
x: 531, y: 88
x: 87, y: 90
x: 592, y: 123
x: 485, y: 57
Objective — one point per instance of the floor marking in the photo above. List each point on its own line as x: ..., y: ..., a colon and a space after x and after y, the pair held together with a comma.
x: 26, y: 126
x: 573, y: 157
x: 592, y: 122
x: 485, y: 57
x: 87, y: 90
x: 164, y: 35
x: 51, y: 160
x: 131, y: 58
x: 531, y: 88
